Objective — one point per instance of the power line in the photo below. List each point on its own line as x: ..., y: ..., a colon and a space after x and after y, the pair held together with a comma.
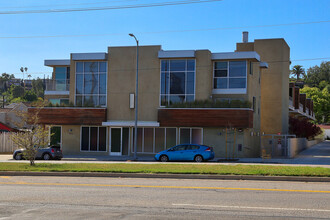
x: 206, y: 66
x: 168, y: 31
x: 323, y: 58
x: 90, y: 3
x: 108, y: 8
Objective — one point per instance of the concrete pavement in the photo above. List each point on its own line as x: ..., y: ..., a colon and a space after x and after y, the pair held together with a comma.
x: 318, y: 155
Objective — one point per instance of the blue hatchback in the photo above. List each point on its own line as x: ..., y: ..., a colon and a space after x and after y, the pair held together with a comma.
x: 189, y: 152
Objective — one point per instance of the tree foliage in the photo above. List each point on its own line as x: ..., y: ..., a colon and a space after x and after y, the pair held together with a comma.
x: 6, y: 76
x: 33, y: 138
x: 302, y: 128
x: 17, y: 93
x: 321, y: 100
x: 318, y: 75
x: 38, y: 87
x: 297, y: 71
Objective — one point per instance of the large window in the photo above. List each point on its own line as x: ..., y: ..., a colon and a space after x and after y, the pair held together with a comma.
x: 230, y: 75
x: 177, y: 81
x: 191, y: 136
x: 93, y: 138
x: 91, y: 83
x: 62, y: 78
x: 153, y: 140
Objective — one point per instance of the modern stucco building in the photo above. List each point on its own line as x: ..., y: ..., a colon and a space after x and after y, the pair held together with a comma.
x: 100, y: 88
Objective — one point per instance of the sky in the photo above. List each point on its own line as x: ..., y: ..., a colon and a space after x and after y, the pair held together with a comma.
x: 26, y: 40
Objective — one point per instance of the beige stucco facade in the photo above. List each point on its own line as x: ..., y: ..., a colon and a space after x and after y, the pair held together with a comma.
x: 274, y: 83
x: 266, y: 88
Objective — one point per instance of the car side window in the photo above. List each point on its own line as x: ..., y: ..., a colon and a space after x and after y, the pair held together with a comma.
x: 181, y: 147
x: 192, y: 147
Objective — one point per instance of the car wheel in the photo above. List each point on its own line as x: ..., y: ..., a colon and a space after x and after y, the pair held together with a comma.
x: 18, y: 156
x: 163, y: 158
x: 198, y: 158
x: 46, y: 157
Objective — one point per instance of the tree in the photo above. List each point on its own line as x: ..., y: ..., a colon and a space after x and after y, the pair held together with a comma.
x: 31, y: 139
x: 317, y: 74
x: 38, y: 87
x: 16, y: 91
x: 321, y: 100
x: 6, y: 76
x: 297, y: 70
x: 30, y: 96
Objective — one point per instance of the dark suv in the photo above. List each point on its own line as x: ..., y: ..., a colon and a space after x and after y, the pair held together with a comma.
x: 51, y: 152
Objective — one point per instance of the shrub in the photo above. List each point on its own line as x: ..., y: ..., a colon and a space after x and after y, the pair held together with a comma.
x: 211, y: 104
x: 303, y: 128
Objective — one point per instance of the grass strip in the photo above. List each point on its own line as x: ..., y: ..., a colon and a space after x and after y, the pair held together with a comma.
x: 262, y: 170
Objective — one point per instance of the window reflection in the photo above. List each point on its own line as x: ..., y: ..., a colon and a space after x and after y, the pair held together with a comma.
x: 91, y: 82
x: 229, y: 75
x: 177, y: 81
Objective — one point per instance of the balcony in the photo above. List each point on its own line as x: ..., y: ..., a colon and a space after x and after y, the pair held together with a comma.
x: 57, y: 87
x: 206, y: 117
x: 70, y: 115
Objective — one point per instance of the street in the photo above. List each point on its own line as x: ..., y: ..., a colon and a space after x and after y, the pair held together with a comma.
x: 134, y: 198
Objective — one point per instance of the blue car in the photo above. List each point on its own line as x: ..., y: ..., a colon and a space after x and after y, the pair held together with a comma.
x: 189, y: 152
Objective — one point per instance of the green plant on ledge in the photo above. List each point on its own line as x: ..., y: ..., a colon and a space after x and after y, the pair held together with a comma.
x: 87, y: 105
x: 211, y: 104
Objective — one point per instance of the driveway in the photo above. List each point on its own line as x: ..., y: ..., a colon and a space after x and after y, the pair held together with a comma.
x: 318, y: 154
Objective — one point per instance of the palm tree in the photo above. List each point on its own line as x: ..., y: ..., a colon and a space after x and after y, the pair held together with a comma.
x: 297, y: 70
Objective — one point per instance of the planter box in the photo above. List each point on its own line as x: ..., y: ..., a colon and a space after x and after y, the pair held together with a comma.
x: 206, y: 117
x: 70, y: 116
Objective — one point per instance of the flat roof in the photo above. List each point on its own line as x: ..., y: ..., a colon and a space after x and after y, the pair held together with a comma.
x: 65, y: 62
x: 89, y: 56
x: 176, y: 54
x: 236, y: 55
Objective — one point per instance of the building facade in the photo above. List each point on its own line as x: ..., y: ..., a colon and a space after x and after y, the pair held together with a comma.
x: 224, y: 100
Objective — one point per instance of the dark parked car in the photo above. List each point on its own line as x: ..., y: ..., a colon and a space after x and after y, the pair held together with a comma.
x: 192, y: 152
x: 52, y: 152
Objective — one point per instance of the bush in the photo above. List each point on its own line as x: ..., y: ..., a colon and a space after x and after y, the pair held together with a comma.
x: 302, y: 128
x: 212, y: 104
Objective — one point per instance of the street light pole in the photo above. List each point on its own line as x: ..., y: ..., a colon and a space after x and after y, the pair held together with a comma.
x: 136, y: 96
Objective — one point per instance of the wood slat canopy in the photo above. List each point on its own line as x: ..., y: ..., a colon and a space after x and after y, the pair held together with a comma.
x: 237, y: 118
x: 70, y: 116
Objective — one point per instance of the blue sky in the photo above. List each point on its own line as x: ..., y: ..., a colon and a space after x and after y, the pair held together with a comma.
x: 307, y: 41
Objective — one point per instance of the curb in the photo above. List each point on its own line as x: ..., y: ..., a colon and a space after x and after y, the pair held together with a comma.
x: 168, y: 176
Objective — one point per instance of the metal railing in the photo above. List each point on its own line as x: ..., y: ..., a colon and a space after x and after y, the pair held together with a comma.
x: 58, y: 85
x: 301, y: 107
x: 290, y: 101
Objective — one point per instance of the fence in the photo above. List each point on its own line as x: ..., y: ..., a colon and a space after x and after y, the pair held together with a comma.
x: 296, y: 145
x: 6, y: 144
x: 275, y: 145
x: 284, y: 146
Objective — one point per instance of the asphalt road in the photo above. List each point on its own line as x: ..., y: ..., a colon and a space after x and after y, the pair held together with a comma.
x: 126, y: 198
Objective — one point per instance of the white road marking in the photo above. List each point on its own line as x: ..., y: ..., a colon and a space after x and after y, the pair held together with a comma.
x: 249, y: 207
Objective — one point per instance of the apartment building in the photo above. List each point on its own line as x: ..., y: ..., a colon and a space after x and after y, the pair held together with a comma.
x: 249, y: 85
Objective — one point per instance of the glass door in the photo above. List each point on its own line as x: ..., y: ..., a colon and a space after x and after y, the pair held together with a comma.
x: 55, y: 136
x: 115, y: 141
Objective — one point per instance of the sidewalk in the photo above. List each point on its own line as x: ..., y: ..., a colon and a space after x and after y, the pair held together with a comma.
x: 318, y: 155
